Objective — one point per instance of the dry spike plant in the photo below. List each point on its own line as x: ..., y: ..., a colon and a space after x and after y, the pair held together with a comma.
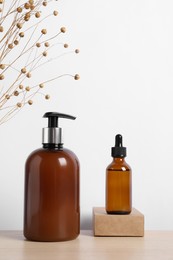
x: 24, y: 47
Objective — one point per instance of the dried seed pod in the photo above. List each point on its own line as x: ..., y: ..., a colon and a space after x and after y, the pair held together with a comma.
x: 77, y: 51
x: 16, y: 93
x: 28, y: 14
x: 44, y: 3
x: 16, y: 42
x: 19, y: 104
x: 21, y: 34
x: 47, y: 96
x: 27, y: 88
x: 37, y: 14
x: 19, y: 9
x: 10, y: 46
x: 30, y: 102
x: 45, y: 53
x: 55, y: 13
x: 38, y: 44
x: 26, y: 18
x: 23, y: 70
x: 63, y: 29
x: 32, y: 7
x: 19, y: 25
x: 77, y: 77
x: 46, y: 44
x: 7, y: 96
x: 1, y: 28
x: 26, y: 5
x: 43, y: 31
x: 1, y: 77
x: 2, y: 66
x: 28, y: 75
x: 41, y: 85
x: 20, y: 86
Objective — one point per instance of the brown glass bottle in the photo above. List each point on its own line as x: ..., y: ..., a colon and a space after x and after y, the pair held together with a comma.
x: 118, y: 182
x: 51, y: 203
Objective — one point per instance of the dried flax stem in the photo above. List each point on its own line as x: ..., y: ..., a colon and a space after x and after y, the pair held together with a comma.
x: 21, y: 53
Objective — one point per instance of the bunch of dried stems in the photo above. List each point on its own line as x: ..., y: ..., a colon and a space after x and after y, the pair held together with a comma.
x: 24, y: 47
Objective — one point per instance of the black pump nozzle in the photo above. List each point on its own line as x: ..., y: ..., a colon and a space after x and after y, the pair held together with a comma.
x: 52, y: 135
x: 53, y: 118
x: 118, y: 151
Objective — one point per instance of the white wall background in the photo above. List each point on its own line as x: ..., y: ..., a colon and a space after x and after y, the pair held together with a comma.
x: 126, y: 86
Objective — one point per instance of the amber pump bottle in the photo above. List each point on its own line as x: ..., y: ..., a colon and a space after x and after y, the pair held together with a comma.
x: 118, y: 181
x: 51, y: 203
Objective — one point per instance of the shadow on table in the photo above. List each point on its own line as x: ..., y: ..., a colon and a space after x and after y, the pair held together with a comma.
x: 86, y: 229
x: 13, y: 234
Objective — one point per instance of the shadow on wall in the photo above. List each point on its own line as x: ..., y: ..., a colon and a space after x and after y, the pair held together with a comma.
x: 86, y: 222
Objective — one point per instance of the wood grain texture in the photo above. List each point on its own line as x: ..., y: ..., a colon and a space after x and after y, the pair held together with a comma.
x: 117, y: 225
x: 154, y: 245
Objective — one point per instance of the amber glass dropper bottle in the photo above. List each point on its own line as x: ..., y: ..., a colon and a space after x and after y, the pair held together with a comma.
x: 118, y: 181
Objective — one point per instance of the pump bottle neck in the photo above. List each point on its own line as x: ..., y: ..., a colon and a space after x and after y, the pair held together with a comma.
x: 53, y: 146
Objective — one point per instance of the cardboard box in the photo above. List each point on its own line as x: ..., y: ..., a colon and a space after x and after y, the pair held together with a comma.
x: 117, y: 225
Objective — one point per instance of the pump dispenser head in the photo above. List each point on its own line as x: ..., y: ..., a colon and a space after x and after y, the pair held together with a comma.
x: 53, y: 134
x: 118, y: 151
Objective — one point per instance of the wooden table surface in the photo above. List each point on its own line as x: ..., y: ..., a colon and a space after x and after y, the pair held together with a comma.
x: 154, y: 245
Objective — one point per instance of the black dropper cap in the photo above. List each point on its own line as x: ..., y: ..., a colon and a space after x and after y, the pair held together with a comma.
x: 118, y: 151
